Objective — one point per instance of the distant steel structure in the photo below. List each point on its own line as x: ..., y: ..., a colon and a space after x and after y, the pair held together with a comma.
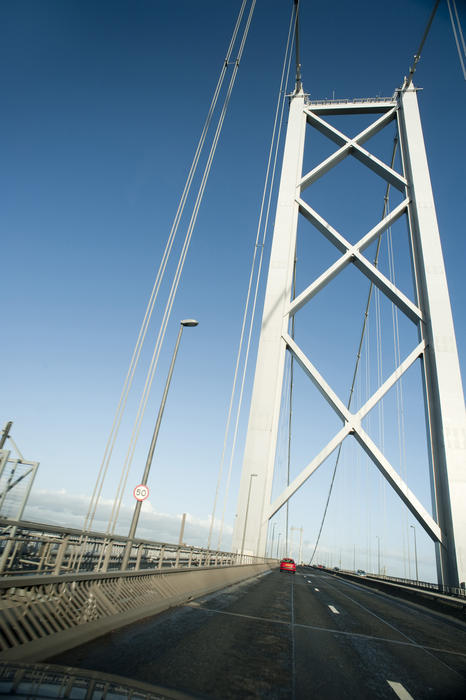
x: 16, y: 478
x: 431, y: 313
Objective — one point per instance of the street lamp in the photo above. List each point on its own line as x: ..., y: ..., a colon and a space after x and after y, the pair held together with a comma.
x: 415, y: 551
x: 189, y: 323
x: 300, y: 530
x: 247, y: 512
x: 273, y: 537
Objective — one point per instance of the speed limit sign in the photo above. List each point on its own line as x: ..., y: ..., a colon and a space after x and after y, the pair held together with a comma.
x: 141, y: 492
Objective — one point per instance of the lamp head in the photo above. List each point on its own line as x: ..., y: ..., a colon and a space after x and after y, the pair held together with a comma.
x: 190, y: 322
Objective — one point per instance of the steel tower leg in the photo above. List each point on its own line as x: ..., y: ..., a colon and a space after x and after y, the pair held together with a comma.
x: 446, y: 423
x: 265, y: 405
x: 430, y: 312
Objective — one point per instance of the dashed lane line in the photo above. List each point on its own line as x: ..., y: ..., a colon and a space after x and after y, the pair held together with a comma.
x: 331, y: 631
x: 334, y: 610
x: 427, y: 649
x: 400, y: 690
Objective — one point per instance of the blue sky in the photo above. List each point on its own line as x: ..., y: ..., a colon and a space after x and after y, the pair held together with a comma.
x: 102, y: 106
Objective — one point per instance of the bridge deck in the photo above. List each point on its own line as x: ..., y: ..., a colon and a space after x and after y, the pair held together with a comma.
x: 285, y: 636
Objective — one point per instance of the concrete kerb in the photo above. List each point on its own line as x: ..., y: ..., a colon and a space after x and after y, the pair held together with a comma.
x: 174, y: 589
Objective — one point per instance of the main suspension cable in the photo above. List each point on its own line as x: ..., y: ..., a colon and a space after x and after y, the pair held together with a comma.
x: 174, y: 287
x: 159, y: 277
x: 258, y: 248
x: 417, y: 56
x: 455, y: 34
x: 158, y: 280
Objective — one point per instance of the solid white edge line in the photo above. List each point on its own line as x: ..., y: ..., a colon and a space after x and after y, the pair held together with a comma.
x: 400, y: 690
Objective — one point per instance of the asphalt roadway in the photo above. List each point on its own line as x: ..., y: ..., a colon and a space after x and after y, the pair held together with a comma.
x: 279, y: 635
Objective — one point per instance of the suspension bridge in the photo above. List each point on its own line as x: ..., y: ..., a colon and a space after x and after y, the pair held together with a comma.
x: 354, y: 453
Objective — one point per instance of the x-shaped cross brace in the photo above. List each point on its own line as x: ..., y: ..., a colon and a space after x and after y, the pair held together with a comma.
x: 352, y: 422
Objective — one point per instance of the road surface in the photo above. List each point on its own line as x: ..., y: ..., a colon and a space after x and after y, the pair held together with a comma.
x: 308, y: 635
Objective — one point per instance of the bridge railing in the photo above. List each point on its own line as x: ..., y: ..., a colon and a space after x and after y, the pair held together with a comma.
x: 407, y: 582
x: 53, y: 681
x: 62, y: 587
x: 35, y: 548
x: 425, y: 585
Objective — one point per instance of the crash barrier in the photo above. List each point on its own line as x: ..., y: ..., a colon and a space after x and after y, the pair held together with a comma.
x: 441, y: 598
x: 49, y: 681
x: 35, y: 548
x: 43, y: 615
x: 424, y: 585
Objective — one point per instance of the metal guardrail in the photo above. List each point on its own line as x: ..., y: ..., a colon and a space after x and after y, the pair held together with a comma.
x: 35, y: 548
x: 35, y: 612
x: 49, y: 681
x: 61, y: 587
x: 42, y: 615
x: 416, y: 585
x: 423, y: 585
x: 350, y: 101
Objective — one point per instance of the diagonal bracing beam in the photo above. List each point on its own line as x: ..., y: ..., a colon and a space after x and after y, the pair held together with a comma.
x: 353, y: 426
x: 339, y: 137
x: 331, y: 397
x: 399, y: 486
x: 352, y: 254
x: 352, y: 147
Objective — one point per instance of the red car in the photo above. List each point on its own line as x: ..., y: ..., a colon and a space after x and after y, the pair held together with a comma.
x: 288, y: 565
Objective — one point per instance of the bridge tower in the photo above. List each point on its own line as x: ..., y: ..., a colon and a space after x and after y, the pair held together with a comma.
x: 430, y: 312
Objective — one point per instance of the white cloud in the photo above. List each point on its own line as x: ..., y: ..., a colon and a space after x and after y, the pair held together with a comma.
x: 69, y: 510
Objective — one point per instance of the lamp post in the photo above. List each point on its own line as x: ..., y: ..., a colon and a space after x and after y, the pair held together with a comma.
x: 300, y: 530
x: 190, y: 323
x: 246, y: 515
x: 415, y: 551
x: 273, y: 537
x: 278, y: 542
x: 378, y: 555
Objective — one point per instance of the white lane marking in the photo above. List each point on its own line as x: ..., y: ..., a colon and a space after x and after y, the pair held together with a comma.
x: 334, y: 610
x: 316, y: 589
x: 332, y: 631
x: 400, y: 690
x: 379, y: 596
